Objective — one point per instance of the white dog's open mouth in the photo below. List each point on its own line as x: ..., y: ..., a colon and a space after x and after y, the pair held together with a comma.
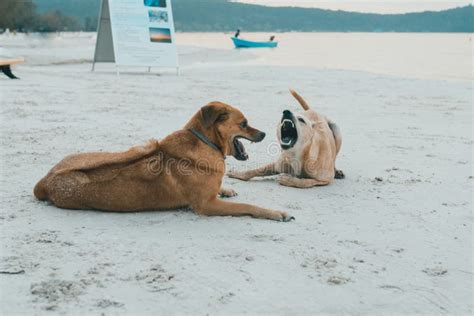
x: 288, y: 133
x: 239, y: 149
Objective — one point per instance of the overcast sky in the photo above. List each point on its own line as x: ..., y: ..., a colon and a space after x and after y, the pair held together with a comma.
x: 376, y: 6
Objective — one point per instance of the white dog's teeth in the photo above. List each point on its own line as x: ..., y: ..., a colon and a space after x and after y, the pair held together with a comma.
x: 289, y: 121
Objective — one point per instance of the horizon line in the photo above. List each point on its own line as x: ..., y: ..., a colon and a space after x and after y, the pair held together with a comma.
x: 361, y: 6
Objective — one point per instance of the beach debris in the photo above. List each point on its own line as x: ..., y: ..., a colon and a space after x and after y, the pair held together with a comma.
x: 320, y: 263
x: 56, y: 290
x: 398, y: 250
x: 13, y: 271
x: 390, y: 287
x: 105, y: 303
x: 226, y: 297
x: 11, y: 265
x: 264, y: 237
x: 155, y: 279
x: 435, y: 271
x: 338, y: 280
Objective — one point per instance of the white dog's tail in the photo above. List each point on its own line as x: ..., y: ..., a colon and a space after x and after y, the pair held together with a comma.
x: 300, y: 100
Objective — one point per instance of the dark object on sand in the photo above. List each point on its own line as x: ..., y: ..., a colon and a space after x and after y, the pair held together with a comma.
x: 5, y: 66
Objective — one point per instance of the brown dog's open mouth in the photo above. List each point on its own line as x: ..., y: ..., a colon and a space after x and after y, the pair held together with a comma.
x: 240, y: 153
x: 289, y: 135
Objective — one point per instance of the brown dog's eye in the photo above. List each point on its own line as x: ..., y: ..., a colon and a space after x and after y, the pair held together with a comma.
x: 301, y: 120
x: 243, y: 124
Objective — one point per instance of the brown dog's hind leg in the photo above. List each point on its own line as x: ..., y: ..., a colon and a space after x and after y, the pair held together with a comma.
x: 66, y: 190
x: 217, y: 207
x: 263, y: 171
x: 40, y: 190
x: 226, y: 192
x: 295, y: 182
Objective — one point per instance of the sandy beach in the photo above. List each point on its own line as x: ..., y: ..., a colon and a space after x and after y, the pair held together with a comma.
x: 394, y: 237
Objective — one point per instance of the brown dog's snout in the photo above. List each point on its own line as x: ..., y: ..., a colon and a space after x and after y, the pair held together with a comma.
x: 259, y: 136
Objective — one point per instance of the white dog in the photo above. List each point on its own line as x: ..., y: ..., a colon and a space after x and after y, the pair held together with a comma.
x: 310, y: 143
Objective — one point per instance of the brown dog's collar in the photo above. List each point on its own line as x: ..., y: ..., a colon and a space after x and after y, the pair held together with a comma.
x: 206, y: 140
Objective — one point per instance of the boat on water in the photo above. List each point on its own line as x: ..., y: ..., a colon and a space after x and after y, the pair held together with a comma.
x: 241, y: 43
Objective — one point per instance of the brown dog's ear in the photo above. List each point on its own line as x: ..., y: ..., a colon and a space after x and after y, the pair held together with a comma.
x: 213, y: 113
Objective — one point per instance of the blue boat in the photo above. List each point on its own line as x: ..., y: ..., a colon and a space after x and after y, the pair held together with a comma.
x: 240, y: 43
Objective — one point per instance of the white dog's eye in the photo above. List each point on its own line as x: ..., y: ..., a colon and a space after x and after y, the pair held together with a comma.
x: 301, y: 120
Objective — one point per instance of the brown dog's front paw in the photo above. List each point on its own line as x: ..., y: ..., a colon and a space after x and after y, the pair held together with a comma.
x: 339, y: 174
x: 237, y: 175
x: 285, y: 217
x: 226, y: 193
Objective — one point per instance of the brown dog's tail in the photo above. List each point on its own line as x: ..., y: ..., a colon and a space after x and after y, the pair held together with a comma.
x: 40, y: 190
x: 300, y: 100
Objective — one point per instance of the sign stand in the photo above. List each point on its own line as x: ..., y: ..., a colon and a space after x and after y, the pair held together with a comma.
x: 136, y: 33
x: 104, y: 45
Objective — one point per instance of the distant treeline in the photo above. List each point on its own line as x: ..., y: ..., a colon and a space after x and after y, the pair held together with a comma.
x: 21, y: 15
x: 218, y: 15
x: 225, y: 16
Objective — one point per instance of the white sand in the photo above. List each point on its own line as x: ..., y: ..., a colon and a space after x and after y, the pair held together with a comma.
x: 400, y: 245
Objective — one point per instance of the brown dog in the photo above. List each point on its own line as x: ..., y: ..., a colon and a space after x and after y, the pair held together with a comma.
x: 310, y: 143
x: 184, y: 169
